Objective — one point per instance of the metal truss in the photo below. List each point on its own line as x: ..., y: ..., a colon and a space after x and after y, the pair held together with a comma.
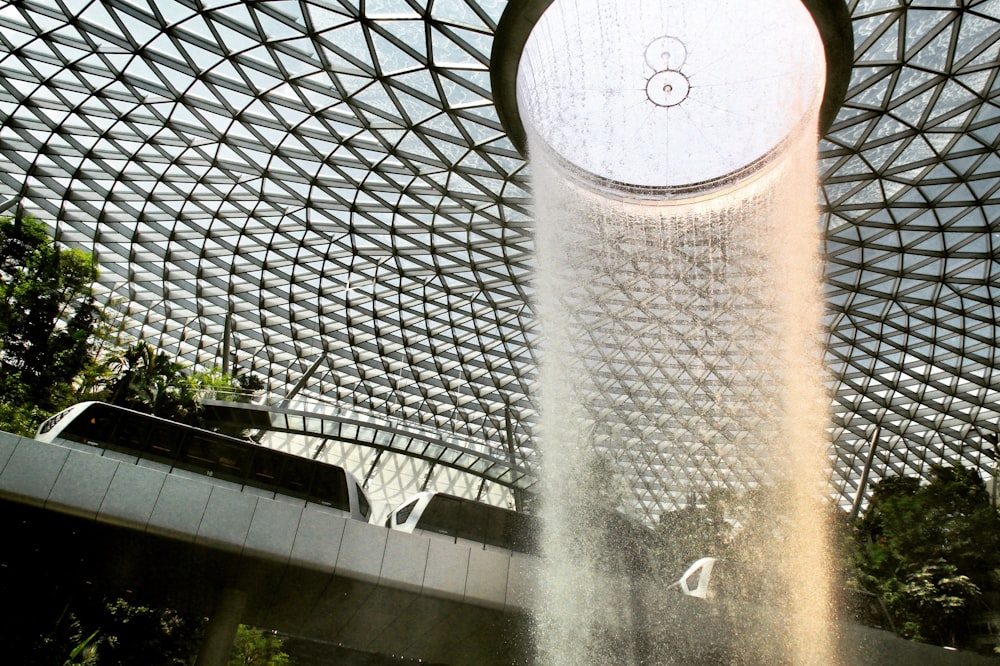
x: 320, y: 192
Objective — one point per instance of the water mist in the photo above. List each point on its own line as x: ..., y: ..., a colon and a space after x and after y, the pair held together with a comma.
x: 679, y: 297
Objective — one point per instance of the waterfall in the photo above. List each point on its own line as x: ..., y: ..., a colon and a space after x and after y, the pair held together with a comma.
x: 681, y: 353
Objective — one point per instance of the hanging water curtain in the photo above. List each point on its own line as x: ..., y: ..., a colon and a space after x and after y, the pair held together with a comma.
x: 665, y: 100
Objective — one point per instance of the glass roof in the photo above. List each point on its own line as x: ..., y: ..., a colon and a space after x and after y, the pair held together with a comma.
x: 320, y: 192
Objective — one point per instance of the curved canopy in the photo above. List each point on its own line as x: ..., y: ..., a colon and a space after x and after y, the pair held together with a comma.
x: 320, y: 192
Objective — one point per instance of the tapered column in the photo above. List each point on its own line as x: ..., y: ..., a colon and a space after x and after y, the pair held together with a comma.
x: 221, y: 630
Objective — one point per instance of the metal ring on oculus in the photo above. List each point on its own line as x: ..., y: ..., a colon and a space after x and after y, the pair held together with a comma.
x: 663, y: 107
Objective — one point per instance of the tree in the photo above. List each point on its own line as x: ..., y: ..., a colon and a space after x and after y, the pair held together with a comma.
x: 254, y: 647
x: 936, y: 600
x: 930, y: 551
x: 50, y: 325
x: 136, y: 634
x: 48, y: 320
x: 98, y: 630
x: 149, y: 381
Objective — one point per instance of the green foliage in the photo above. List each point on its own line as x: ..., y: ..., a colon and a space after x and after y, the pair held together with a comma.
x: 86, y: 651
x: 51, y: 333
x: 254, y: 647
x: 939, y: 597
x: 20, y: 418
x: 64, y: 644
x: 150, y: 381
x: 136, y: 634
x: 930, y: 551
x: 249, y: 384
x: 98, y: 631
x: 214, y: 384
x: 48, y: 319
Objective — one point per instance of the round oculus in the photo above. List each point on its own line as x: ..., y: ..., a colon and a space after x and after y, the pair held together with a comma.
x: 682, y: 96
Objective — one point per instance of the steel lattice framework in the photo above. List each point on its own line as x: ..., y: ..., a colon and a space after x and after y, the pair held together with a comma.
x: 320, y: 192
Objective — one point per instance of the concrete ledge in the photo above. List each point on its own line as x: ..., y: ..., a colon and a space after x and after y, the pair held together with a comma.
x: 318, y: 539
x: 115, y: 489
x: 82, y: 484
x: 8, y: 442
x: 179, y: 508
x: 272, y: 530
x: 522, y: 581
x: 486, y: 584
x: 447, y: 570
x: 226, y: 520
x: 405, y: 561
x: 31, y: 471
x: 361, y: 551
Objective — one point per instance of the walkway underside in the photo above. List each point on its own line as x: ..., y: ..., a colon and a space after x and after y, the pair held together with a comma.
x: 50, y: 558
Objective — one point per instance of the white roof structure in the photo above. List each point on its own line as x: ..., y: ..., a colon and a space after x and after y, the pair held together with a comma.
x: 320, y: 192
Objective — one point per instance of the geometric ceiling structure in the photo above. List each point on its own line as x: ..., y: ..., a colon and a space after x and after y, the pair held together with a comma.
x: 320, y: 192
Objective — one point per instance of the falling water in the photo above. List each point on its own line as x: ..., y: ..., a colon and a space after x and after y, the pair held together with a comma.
x: 681, y: 353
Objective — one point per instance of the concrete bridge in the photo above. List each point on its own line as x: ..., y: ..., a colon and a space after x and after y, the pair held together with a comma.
x: 240, y: 555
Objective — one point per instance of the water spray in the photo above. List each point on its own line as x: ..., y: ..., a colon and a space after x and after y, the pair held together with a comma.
x: 673, y: 152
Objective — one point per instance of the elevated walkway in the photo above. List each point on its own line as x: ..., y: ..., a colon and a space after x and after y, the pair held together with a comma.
x: 302, y: 567
x: 75, y: 517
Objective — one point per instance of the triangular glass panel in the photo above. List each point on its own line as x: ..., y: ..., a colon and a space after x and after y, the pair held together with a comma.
x: 885, y: 49
x: 349, y: 40
x: 914, y: 109
x: 952, y: 96
x: 447, y: 53
x: 375, y: 96
x: 457, y: 12
x: 417, y: 110
x: 392, y: 59
x: 933, y: 55
x: 393, y: 9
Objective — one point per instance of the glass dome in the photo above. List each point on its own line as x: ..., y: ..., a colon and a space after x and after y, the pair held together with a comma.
x: 321, y: 193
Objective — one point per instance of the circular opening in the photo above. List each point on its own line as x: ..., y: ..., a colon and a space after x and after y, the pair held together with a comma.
x: 667, y: 99
x: 667, y: 88
x: 731, y: 86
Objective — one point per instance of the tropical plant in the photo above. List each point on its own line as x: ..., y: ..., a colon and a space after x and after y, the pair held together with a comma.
x: 255, y: 647
x: 136, y: 634
x: 95, y: 630
x: 150, y: 381
x: 940, y: 599
x: 48, y: 321
x: 931, y: 552
x: 85, y: 652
